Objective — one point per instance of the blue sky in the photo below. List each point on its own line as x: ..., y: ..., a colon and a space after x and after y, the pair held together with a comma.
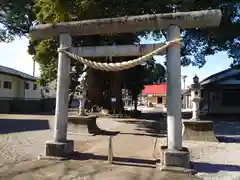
x: 14, y: 55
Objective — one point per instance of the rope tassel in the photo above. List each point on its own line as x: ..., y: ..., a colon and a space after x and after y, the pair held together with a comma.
x: 120, y: 65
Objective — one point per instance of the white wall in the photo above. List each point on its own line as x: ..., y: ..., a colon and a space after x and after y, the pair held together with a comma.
x: 31, y: 93
x: 9, y: 93
x: 18, y: 88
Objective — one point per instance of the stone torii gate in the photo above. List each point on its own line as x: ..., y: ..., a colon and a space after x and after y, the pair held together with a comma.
x: 174, y: 155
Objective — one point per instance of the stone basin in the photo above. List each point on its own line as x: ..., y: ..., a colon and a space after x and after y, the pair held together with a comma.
x: 83, y: 124
x: 87, y: 125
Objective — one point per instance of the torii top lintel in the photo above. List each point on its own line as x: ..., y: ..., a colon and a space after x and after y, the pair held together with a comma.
x: 185, y: 20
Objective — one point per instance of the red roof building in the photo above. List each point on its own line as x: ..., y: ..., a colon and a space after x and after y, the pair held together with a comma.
x: 155, y: 89
x: 155, y: 94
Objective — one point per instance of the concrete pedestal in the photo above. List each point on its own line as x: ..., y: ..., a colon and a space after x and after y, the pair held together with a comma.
x: 175, y: 160
x: 198, y: 130
x: 58, y: 150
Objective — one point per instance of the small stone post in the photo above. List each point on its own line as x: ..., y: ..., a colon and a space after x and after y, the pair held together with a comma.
x: 60, y: 146
x: 196, y: 98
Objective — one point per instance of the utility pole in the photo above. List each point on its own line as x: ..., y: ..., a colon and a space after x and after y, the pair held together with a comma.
x: 34, y: 62
x: 184, y: 81
x: 32, y: 52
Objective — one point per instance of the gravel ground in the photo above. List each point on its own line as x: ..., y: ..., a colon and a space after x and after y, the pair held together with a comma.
x: 17, y: 147
x: 213, y: 161
x: 26, y: 144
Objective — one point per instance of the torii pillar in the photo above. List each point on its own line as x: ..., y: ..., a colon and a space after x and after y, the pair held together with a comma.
x: 174, y: 156
x: 60, y: 146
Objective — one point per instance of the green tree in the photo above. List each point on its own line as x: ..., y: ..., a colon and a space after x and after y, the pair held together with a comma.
x: 137, y: 77
x: 17, y: 16
x: 135, y: 81
x: 198, y: 42
x: 156, y: 73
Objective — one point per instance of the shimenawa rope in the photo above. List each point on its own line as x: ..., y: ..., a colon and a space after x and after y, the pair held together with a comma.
x: 117, y: 66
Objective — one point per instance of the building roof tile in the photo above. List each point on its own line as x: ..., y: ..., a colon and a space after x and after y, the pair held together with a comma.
x: 14, y: 72
x: 154, y: 89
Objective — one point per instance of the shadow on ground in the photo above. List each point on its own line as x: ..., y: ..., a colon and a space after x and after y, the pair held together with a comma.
x: 149, y: 124
x: 116, y: 160
x: 227, y: 130
x: 36, y: 113
x: 227, y: 139
x: 154, y: 124
x: 214, y: 168
x: 92, y: 169
x: 14, y: 125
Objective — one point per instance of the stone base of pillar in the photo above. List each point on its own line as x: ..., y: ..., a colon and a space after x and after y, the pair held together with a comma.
x: 175, y: 160
x: 198, y: 130
x: 58, y: 150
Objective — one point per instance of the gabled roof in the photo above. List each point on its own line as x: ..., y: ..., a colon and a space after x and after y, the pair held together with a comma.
x: 220, y: 76
x: 154, y: 89
x: 14, y: 72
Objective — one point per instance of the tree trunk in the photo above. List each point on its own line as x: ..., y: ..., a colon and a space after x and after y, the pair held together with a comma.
x: 135, y: 105
x: 115, y: 91
x: 95, y: 95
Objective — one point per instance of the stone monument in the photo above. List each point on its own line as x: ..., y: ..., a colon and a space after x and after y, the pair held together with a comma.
x: 197, y: 129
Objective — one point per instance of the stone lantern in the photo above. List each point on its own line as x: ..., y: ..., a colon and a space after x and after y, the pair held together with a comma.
x: 197, y: 129
x: 196, y: 98
x: 81, y: 90
x: 86, y: 123
x: 195, y: 80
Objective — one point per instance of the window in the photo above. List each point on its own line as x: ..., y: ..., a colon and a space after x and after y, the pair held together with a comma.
x: 34, y: 86
x: 7, y: 85
x: 26, y: 85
